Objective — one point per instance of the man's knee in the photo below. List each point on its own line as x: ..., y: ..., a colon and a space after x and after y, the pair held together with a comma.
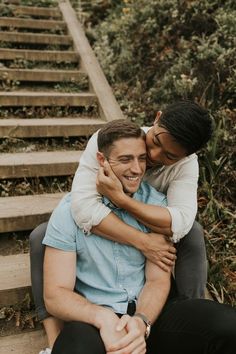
x: 79, y: 338
x: 36, y: 237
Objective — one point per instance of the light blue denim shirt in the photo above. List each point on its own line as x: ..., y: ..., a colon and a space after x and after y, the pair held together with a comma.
x: 108, y: 273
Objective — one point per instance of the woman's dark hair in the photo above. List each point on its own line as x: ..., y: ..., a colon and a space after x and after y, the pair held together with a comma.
x: 188, y: 123
x: 115, y: 130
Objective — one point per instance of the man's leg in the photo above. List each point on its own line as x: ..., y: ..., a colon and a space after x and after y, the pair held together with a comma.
x: 194, y: 326
x: 79, y: 338
x: 51, y: 324
x: 191, y: 264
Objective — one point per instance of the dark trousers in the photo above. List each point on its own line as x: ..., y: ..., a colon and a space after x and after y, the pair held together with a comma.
x: 186, y: 326
x: 190, y: 267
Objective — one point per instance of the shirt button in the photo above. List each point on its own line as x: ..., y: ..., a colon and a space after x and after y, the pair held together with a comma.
x: 120, y: 285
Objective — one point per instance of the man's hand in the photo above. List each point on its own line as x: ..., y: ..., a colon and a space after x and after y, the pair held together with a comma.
x: 108, y: 184
x: 133, y: 342
x: 108, y: 328
x: 159, y: 250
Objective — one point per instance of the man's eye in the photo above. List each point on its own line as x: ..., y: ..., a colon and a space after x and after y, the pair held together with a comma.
x: 124, y: 160
x: 143, y: 158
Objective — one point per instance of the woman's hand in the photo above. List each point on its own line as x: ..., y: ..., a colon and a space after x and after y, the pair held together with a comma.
x: 108, y: 184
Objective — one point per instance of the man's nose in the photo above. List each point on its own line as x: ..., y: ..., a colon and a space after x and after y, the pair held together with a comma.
x: 136, y: 166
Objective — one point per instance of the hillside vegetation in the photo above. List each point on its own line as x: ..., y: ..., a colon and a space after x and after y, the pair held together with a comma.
x: 158, y: 51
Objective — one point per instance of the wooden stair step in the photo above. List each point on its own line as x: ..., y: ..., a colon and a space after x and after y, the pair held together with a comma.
x: 33, y: 11
x: 12, y: 2
x: 15, y: 278
x: 38, y: 55
x: 29, y: 342
x: 26, y: 212
x: 32, y: 24
x: 38, y: 164
x: 35, y: 38
x: 49, y: 127
x: 42, y: 75
x: 27, y: 98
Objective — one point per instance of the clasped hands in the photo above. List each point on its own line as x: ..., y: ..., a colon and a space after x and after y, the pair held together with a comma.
x: 123, y: 335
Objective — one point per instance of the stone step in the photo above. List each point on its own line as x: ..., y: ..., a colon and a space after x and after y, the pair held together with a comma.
x: 42, y: 75
x: 26, y: 212
x: 27, y: 98
x: 27, y: 342
x: 38, y: 164
x: 38, y: 55
x: 15, y: 278
x: 49, y: 12
x: 14, y: 22
x: 35, y: 38
x: 49, y: 127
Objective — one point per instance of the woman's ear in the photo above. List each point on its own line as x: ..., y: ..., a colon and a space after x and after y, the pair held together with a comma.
x: 158, y: 116
x: 100, y: 158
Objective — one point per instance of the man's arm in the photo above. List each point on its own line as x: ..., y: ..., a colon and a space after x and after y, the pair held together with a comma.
x: 62, y: 302
x: 150, y: 303
x: 154, y: 293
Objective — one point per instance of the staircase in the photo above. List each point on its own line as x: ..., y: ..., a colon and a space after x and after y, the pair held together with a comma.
x: 51, y: 87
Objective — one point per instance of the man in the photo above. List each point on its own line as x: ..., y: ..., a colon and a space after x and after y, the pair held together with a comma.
x: 112, y: 280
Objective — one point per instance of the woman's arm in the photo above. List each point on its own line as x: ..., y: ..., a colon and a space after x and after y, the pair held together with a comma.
x: 177, y: 219
x: 86, y: 206
x: 90, y: 213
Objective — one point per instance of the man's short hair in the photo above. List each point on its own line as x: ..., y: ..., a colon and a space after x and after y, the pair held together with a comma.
x: 188, y: 123
x: 115, y: 130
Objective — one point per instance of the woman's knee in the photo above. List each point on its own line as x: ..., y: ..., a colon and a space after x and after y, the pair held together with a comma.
x: 36, y: 238
x: 194, y: 240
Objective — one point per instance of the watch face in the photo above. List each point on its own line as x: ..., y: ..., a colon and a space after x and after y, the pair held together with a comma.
x: 148, y: 330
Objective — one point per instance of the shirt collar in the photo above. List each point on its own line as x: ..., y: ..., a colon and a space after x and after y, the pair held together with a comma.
x: 137, y: 195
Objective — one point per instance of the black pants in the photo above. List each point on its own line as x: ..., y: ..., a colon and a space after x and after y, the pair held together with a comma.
x: 190, y: 267
x: 186, y: 326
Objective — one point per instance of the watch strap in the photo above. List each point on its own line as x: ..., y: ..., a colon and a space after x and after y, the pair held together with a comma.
x: 147, y: 323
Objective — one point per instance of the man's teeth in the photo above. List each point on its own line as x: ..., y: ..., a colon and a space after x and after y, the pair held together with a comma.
x: 132, y: 178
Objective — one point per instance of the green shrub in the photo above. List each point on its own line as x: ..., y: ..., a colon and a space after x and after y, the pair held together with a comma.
x: 158, y: 51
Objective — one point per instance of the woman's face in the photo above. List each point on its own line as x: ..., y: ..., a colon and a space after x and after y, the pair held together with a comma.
x: 162, y: 148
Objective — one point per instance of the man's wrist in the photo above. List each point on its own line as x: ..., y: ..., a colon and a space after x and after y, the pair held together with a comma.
x: 120, y: 199
x: 102, y: 315
x: 146, y: 322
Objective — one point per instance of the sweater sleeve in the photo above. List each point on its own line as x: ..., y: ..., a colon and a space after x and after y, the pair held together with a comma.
x: 182, y: 199
x: 86, y: 207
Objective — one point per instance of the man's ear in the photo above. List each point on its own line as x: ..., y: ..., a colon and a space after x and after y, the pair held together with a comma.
x: 158, y: 116
x: 100, y: 158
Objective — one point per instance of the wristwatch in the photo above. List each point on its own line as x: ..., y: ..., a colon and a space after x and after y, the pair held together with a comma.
x: 147, y: 323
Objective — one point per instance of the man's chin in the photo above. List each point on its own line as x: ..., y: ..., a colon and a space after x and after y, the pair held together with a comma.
x: 131, y: 191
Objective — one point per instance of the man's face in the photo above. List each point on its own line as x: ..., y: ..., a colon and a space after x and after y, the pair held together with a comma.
x: 127, y: 159
x: 162, y: 148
